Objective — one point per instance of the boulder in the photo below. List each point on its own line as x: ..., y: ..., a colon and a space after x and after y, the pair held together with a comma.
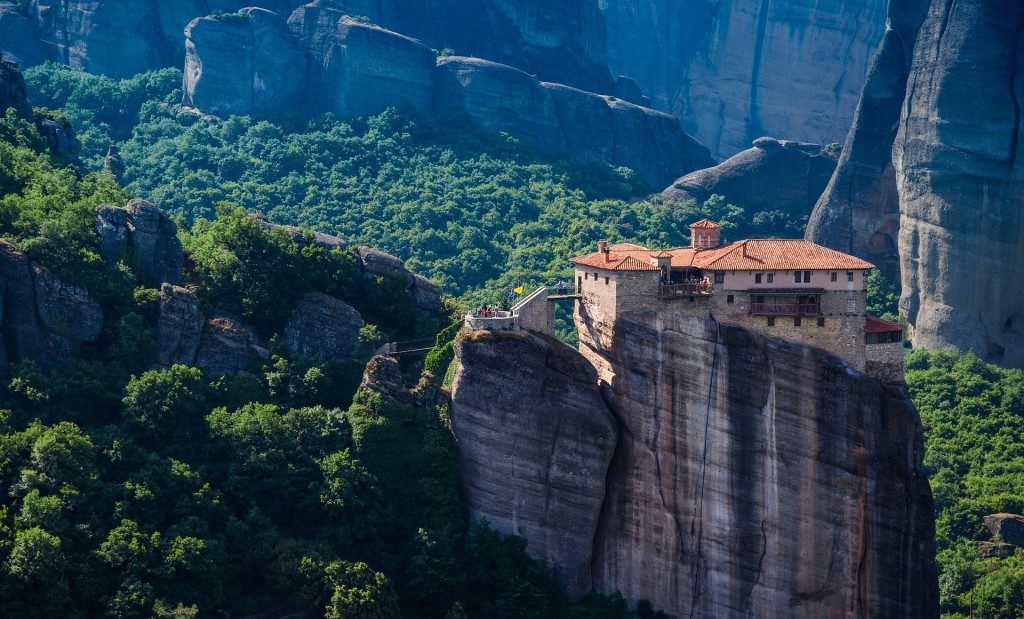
x: 376, y: 263
x: 995, y: 550
x: 383, y: 375
x: 1007, y: 527
x: 244, y: 63
x: 359, y: 69
x: 299, y: 235
x: 628, y: 90
x: 19, y: 41
x: 771, y: 176
x: 228, y: 347
x: 426, y: 294
x: 60, y: 138
x: 323, y: 327
x: 64, y: 309
x: 146, y: 236
x: 179, y: 326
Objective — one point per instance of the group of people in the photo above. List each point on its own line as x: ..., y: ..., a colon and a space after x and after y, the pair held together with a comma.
x: 489, y: 312
x: 693, y: 284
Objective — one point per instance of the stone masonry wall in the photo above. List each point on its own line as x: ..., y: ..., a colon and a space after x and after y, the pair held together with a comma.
x: 536, y: 313
x: 884, y: 361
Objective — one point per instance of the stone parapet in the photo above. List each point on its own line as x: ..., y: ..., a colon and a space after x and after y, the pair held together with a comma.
x: 885, y: 361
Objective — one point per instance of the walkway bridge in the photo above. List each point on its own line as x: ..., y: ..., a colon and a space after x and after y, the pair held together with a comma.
x: 534, y: 312
x: 397, y: 349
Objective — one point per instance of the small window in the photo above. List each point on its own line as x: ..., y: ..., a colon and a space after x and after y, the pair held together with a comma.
x: 771, y: 322
x: 771, y: 278
x: 586, y: 276
x: 796, y: 321
x: 849, y: 276
x: 606, y: 281
x: 796, y: 277
x: 832, y: 276
x: 719, y: 278
x: 807, y: 277
x: 728, y: 299
x: 757, y: 278
x: 821, y: 321
x: 595, y: 276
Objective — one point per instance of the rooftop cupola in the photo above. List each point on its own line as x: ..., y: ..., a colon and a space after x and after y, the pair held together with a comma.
x: 705, y: 234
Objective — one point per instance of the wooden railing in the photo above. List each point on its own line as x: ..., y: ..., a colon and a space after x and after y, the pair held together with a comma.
x: 668, y: 291
x: 785, y: 308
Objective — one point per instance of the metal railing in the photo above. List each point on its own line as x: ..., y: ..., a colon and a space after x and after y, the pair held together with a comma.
x: 785, y: 308
x: 685, y: 290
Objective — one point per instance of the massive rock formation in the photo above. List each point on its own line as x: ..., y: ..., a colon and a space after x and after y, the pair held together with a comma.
x: 750, y: 476
x: 859, y: 211
x: 251, y: 63
x: 324, y: 327
x: 13, y: 91
x: 533, y: 459
x: 960, y: 177
x: 266, y: 64
x: 731, y: 70
x: 774, y: 176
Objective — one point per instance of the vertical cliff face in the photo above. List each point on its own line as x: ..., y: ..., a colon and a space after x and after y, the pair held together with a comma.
x: 750, y: 477
x: 960, y: 177
x: 859, y: 210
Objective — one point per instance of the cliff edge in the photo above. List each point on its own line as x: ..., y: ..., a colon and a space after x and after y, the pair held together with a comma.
x: 721, y: 473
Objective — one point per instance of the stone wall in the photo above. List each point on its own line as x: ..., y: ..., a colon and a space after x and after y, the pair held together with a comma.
x: 884, y: 361
x: 536, y: 313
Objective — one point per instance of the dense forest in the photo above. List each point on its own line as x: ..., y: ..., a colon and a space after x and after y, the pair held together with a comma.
x: 134, y: 492
x: 139, y: 492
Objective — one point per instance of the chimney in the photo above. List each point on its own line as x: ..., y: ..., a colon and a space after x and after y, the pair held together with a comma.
x: 602, y: 246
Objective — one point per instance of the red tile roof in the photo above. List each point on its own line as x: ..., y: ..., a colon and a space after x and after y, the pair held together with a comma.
x: 877, y: 325
x: 749, y: 255
x: 706, y: 224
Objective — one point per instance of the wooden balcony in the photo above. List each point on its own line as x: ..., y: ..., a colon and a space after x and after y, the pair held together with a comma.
x: 672, y: 291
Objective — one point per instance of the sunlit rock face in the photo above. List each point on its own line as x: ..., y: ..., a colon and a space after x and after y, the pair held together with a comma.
x: 749, y: 476
x: 960, y: 178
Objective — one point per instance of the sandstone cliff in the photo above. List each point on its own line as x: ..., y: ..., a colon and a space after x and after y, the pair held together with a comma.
x: 730, y: 70
x: 773, y: 176
x: 930, y: 181
x: 960, y: 178
x: 749, y: 477
x: 859, y: 210
x: 323, y: 60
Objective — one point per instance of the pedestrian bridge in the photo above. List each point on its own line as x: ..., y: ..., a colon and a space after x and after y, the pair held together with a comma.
x: 535, y: 312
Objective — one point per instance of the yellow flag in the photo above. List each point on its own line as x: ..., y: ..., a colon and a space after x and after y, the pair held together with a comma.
x: 518, y: 290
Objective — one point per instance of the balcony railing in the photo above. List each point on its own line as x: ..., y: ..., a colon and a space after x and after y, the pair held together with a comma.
x: 785, y: 308
x: 669, y: 291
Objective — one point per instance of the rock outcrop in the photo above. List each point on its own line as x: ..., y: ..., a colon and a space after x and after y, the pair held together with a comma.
x: 960, y: 178
x: 323, y: 327
x: 859, y: 213
x: 219, y: 345
x: 750, y: 476
x: 730, y: 70
x: 774, y: 176
x: 266, y: 64
x: 144, y: 235
x: 533, y: 459
x: 1007, y: 527
x: 13, y: 91
x: 251, y: 63
x: 376, y: 263
x: 41, y: 316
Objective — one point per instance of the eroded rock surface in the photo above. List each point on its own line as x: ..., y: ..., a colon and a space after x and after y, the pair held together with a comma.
x: 960, y: 178
x: 859, y: 211
x: 179, y: 326
x: 142, y: 234
x: 13, y: 91
x: 64, y: 309
x: 773, y: 176
x: 533, y: 459
x: 751, y: 477
x: 324, y: 327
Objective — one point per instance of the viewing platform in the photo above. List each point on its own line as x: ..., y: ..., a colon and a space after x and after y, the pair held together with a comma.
x: 534, y: 312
